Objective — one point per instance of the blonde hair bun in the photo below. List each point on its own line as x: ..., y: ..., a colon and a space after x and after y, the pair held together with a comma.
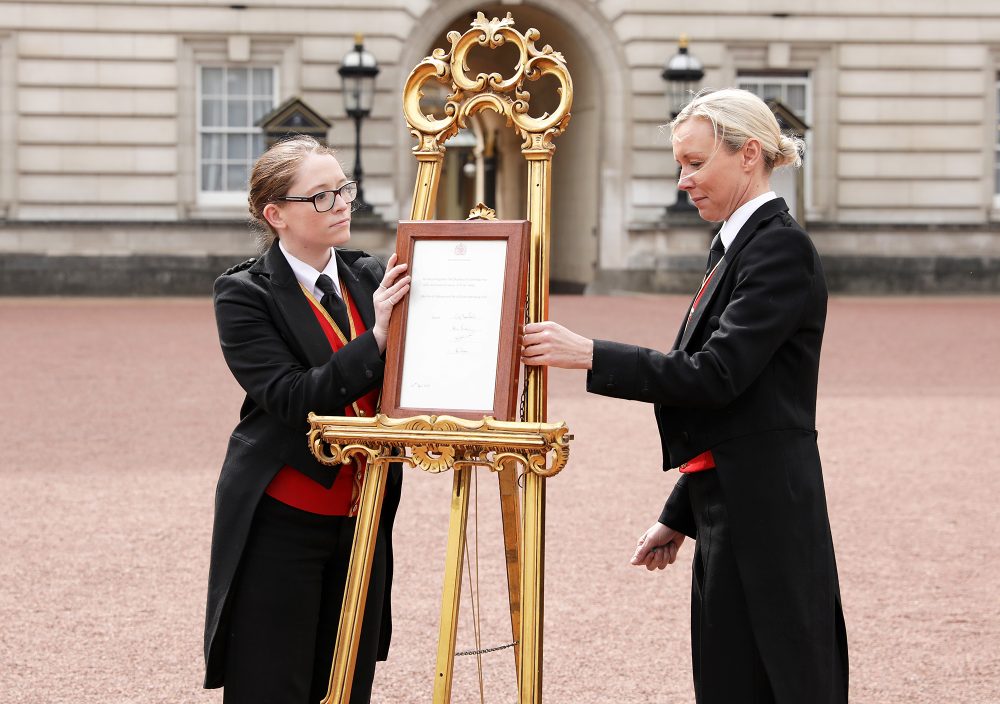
x: 736, y: 116
x: 790, y: 151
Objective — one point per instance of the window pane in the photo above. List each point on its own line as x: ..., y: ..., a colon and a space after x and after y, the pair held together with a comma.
x: 263, y: 82
x: 260, y: 108
x: 231, y: 102
x: 211, y: 177
x: 237, y: 81
x: 237, y: 146
x: 211, y: 81
x: 211, y: 113
x: 211, y: 146
x: 797, y: 99
x: 236, y: 177
x: 771, y: 90
x: 238, y: 115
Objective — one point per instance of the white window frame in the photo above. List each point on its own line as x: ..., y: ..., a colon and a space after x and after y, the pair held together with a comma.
x: 8, y: 136
x: 996, y: 152
x: 803, y: 79
x: 224, y: 198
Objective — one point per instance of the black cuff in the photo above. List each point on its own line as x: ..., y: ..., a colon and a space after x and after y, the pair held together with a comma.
x: 677, y: 513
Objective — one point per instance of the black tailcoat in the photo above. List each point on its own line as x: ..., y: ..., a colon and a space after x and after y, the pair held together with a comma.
x: 741, y: 381
x: 279, y: 354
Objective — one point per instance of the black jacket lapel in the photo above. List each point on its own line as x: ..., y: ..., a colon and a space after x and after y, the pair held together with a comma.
x: 706, y: 297
x: 750, y: 227
x: 760, y: 216
x: 360, y: 293
x: 294, y: 306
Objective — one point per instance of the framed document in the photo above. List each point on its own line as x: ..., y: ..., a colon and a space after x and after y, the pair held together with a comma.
x: 455, y: 341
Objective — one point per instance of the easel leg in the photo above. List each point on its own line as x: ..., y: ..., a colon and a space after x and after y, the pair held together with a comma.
x: 359, y: 572
x: 510, y: 512
x: 532, y: 584
x: 452, y: 586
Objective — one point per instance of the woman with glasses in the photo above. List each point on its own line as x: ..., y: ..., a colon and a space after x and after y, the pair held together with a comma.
x: 302, y: 329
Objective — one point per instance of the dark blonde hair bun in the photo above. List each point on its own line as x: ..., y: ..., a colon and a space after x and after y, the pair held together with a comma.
x: 273, y: 174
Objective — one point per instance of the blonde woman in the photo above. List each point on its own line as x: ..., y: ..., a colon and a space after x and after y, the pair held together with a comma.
x: 302, y: 329
x: 735, y: 404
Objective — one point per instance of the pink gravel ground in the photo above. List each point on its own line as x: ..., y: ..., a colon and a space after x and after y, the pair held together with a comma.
x: 115, y: 415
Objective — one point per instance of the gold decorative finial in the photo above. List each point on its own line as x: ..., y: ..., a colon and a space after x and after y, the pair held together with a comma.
x: 508, y: 96
x: 359, y: 38
x: 683, y: 41
x: 482, y: 212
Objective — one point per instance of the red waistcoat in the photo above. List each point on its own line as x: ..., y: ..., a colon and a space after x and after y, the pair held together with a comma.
x: 296, y: 489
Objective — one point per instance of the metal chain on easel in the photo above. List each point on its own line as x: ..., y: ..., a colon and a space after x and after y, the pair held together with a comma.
x: 484, y: 651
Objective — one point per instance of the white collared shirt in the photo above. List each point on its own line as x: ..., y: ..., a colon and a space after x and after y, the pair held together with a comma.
x: 731, y: 227
x: 306, y: 275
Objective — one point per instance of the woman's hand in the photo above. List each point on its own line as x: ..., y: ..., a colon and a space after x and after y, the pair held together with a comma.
x: 657, y: 547
x: 550, y: 344
x: 392, y: 290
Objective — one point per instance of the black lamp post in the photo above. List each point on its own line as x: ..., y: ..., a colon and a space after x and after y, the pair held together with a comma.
x: 358, y: 70
x: 682, y: 73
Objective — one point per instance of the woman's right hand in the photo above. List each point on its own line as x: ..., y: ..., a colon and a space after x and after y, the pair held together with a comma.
x: 392, y: 290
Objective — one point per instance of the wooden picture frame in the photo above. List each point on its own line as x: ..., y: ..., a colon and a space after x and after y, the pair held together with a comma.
x: 465, y: 309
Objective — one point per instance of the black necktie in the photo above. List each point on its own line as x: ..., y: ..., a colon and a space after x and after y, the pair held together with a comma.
x: 334, y: 304
x: 715, y: 253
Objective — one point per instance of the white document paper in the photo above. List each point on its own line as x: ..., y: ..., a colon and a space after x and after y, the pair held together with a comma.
x: 453, y: 324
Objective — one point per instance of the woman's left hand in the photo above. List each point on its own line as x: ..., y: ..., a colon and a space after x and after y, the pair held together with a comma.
x: 393, y: 288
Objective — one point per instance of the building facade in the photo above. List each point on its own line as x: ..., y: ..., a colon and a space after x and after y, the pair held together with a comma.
x: 127, y: 128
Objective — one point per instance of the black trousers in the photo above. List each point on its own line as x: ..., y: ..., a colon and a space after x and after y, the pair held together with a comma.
x: 286, y: 607
x: 726, y: 662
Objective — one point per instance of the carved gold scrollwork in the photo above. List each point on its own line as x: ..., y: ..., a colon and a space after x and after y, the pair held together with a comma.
x: 482, y: 212
x: 438, y: 443
x: 433, y: 458
x: 507, y: 96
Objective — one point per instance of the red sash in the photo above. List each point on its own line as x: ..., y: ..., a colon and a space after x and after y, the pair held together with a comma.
x: 698, y: 464
x: 705, y: 460
x: 292, y: 487
x: 701, y: 292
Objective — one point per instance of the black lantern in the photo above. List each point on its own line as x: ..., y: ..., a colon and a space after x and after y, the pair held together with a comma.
x: 358, y: 70
x: 682, y: 73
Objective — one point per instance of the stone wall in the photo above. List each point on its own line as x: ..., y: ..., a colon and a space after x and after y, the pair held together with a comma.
x: 98, y: 105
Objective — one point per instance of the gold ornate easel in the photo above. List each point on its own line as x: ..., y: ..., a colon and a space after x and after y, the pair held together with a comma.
x: 439, y: 443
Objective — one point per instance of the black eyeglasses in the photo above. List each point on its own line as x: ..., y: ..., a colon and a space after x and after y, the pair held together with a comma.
x: 325, y: 200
